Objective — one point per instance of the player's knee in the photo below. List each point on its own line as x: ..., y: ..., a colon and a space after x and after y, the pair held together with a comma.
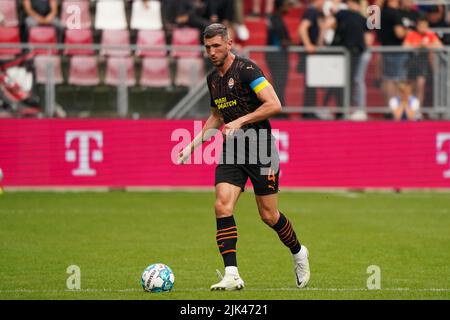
x: 268, y: 217
x: 222, y: 209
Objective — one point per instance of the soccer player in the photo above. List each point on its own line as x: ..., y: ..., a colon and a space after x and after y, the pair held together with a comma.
x: 243, y: 100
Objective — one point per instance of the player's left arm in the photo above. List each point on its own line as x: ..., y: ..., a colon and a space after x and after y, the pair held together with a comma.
x: 270, y: 107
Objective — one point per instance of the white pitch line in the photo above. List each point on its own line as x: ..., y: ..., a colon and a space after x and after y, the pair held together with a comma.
x: 246, y: 289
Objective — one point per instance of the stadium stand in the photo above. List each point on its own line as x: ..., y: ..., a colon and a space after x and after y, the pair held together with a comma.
x: 43, y: 35
x: 48, y: 65
x: 9, y: 35
x: 83, y: 71
x: 113, y: 76
x: 154, y: 38
x: 185, y: 37
x: 116, y: 38
x: 258, y: 32
x: 190, y: 71
x: 155, y: 72
x: 141, y: 24
x: 78, y: 37
x: 8, y: 9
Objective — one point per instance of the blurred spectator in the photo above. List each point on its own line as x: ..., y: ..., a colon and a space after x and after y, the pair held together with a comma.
x: 405, y: 106
x: 436, y: 16
x: 330, y: 8
x: 242, y: 31
x: 392, y: 33
x: 179, y: 13
x: 351, y: 32
x: 311, y: 36
x: 310, y: 27
x: 278, y: 36
x: 409, y: 13
x: 418, y: 67
x: 42, y: 13
x: 256, y: 7
x: 220, y: 11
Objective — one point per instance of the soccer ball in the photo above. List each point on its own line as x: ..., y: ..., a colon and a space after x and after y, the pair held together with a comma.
x: 157, y: 278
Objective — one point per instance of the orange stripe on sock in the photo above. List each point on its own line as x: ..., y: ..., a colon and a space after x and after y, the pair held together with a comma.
x: 225, y: 233
x: 285, y: 232
x: 227, y: 251
x: 286, y: 227
x: 231, y: 237
x: 234, y: 227
x: 288, y: 235
x: 290, y: 239
x: 283, y: 229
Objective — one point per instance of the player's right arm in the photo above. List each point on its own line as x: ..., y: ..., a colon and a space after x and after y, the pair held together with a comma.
x: 212, y: 124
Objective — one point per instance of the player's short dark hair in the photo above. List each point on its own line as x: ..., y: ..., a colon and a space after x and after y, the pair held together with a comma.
x: 215, y: 29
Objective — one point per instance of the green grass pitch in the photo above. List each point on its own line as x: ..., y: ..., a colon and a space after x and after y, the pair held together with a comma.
x: 113, y: 236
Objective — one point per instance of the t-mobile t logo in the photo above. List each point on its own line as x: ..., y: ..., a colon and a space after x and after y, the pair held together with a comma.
x: 443, y: 155
x: 84, y: 153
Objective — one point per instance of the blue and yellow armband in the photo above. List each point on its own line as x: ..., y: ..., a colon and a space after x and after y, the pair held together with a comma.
x: 259, y: 84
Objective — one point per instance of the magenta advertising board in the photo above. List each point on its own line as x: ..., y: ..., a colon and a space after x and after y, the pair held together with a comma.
x: 141, y: 153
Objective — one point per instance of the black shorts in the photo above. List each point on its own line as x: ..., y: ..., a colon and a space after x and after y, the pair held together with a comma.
x: 263, y: 178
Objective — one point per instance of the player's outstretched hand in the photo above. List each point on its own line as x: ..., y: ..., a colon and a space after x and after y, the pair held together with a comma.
x: 231, y: 128
x: 183, y: 156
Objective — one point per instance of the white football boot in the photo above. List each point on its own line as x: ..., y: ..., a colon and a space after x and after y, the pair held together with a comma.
x: 230, y: 281
x: 301, y: 267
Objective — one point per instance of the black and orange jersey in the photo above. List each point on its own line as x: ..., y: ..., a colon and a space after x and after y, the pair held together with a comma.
x: 234, y: 93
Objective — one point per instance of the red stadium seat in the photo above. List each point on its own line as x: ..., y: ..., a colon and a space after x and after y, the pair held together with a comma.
x: 185, y: 37
x: 296, y: 12
x: 78, y: 37
x: 113, y: 71
x: 72, y: 7
x: 118, y: 38
x: 190, y: 71
x: 42, y: 63
x: 8, y: 9
x: 43, y: 35
x: 151, y: 38
x: 83, y: 71
x: 155, y: 72
x: 258, y: 32
x: 292, y: 27
x: 9, y: 35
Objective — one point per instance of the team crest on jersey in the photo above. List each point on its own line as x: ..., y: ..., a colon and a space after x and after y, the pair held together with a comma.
x: 231, y: 83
